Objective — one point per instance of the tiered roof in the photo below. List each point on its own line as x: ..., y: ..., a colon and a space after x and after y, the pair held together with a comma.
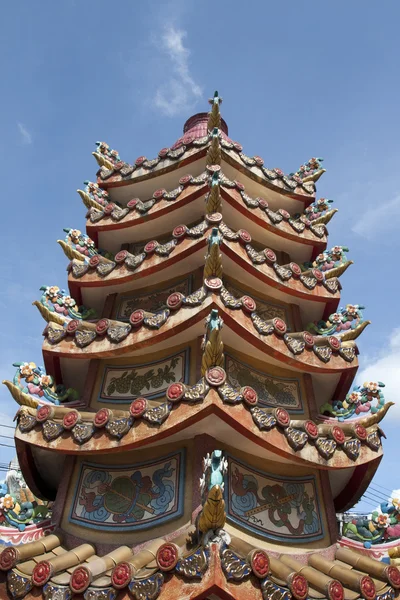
x: 229, y: 227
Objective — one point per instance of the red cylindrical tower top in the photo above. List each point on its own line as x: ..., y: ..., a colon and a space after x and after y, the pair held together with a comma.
x: 197, y: 125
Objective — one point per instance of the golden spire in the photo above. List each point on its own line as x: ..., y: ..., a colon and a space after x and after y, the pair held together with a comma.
x: 214, y: 151
x: 213, y: 198
x: 213, y: 265
x: 214, y: 116
x: 212, y: 346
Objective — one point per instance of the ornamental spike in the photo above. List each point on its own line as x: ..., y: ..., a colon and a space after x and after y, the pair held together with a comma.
x: 48, y: 315
x: 214, y: 117
x: 213, y: 264
x: 212, y: 346
x: 88, y: 201
x: 214, y: 150
x: 102, y: 161
x: 69, y: 252
x: 213, y: 198
x: 338, y: 271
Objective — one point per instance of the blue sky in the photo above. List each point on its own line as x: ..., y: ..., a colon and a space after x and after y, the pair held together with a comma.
x: 298, y: 80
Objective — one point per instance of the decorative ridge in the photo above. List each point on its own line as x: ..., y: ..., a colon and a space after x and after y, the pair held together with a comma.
x: 258, y: 573
x: 299, y: 223
x: 327, y: 439
x: 85, y: 333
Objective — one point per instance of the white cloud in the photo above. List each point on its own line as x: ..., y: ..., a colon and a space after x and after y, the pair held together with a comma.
x: 25, y: 135
x: 380, y: 218
x: 180, y: 91
x: 386, y: 368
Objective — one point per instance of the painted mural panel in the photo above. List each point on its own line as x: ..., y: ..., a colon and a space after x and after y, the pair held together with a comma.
x: 272, y: 390
x: 123, y: 383
x: 279, y: 508
x: 151, y: 302
x: 266, y: 310
x: 131, y: 497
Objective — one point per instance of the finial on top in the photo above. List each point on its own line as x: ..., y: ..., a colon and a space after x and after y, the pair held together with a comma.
x: 214, y: 117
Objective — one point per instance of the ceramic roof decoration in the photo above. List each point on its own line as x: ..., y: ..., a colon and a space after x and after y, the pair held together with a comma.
x: 194, y: 423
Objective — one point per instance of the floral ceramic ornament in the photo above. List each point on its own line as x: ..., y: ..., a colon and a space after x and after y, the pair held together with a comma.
x: 309, y: 168
x: 33, y: 380
x: 80, y: 242
x: 345, y: 319
x: 96, y: 193
x: 58, y: 301
x: 383, y: 525
x: 317, y: 209
x: 111, y: 155
x: 360, y: 400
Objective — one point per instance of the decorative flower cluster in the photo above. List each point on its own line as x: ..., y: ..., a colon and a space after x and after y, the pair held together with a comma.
x: 329, y: 260
x: 358, y: 401
x: 33, y: 380
x: 20, y: 508
x: 111, y: 155
x: 309, y: 168
x: 80, y: 242
x: 317, y: 209
x: 96, y: 193
x: 382, y: 525
x: 345, y: 319
x: 56, y: 300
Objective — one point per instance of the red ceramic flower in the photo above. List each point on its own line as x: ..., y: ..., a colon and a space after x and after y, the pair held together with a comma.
x: 80, y: 580
x: 186, y: 179
x: 279, y: 172
x: 216, y: 376
x: 213, y: 283
x: 179, y: 231
x: 262, y: 203
x: 294, y: 267
x: 44, y: 412
x: 137, y: 317
x: 132, y: 203
x: 319, y: 276
x: 213, y: 168
x: 41, y: 573
x: 94, y: 261
x: 102, y: 417
x: 360, y: 431
x: 174, y: 300
x: 167, y: 556
x: 121, y: 575
x: 175, y: 392
x: 150, y: 246
x: 279, y: 325
x: 311, y: 429
x: 250, y: 395
x: 138, y: 407
x: 259, y: 161
x: 70, y: 419
x: 102, y: 326
x: 334, y: 342
x: 335, y: 590
x: 338, y: 434
x: 8, y: 558
x: 159, y: 193
x: 392, y: 573
x: 244, y: 236
x: 259, y: 562
x: 163, y: 152
x: 239, y: 186
x: 248, y: 304
x: 188, y: 139
x: 270, y: 255
x: 308, y: 339
x: 139, y: 161
x: 72, y: 326
x: 108, y: 208
x: 120, y: 257
x: 299, y: 586
x: 238, y: 147
x: 367, y: 588
x: 282, y: 417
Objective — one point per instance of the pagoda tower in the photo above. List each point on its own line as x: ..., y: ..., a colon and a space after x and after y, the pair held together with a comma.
x: 195, y: 423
